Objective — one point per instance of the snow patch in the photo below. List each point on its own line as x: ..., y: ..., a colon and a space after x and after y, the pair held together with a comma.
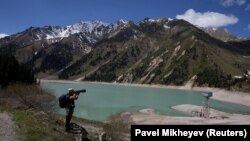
x: 38, y: 37
x: 122, y: 21
x: 166, y: 26
x: 2, y: 35
x: 238, y: 76
x: 49, y: 36
x: 151, y: 20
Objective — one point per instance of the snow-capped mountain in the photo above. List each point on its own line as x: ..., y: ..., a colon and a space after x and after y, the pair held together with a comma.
x: 91, y: 29
x: 68, y: 43
x: 147, y: 51
x: 94, y: 27
x: 220, y: 33
x: 2, y: 35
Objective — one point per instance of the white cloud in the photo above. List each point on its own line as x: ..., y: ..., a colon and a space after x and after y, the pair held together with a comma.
x: 228, y: 3
x: 247, y: 28
x: 208, y: 19
x: 248, y: 7
x: 3, y: 35
x: 240, y: 2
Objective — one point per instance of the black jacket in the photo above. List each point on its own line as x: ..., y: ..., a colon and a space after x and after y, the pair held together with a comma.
x: 70, y: 102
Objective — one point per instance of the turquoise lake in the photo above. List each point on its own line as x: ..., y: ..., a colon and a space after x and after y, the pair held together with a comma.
x: 104, y: 100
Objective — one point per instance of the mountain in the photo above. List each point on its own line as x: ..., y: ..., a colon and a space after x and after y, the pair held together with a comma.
x: 161, y: 51
x: 221, y: 34
x: 63, y: 45
x: 241, y: 46
x: 165, y: 52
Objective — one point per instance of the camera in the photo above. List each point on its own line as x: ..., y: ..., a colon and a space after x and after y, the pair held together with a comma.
x: 81, y: 91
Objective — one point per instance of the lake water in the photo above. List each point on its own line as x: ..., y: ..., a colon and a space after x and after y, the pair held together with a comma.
x: 104, y: 100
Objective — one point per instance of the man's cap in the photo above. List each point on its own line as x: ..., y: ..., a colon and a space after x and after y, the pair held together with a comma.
x: 70, y: 89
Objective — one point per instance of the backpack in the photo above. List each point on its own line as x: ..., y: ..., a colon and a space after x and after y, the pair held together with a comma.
x: 62, y: 101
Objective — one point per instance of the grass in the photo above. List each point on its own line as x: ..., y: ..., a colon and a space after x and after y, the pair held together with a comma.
x: 38, y: 126
x: 28, y: 127
x: 28, y: 107
x: 33, y: 126
x: 33, y: 122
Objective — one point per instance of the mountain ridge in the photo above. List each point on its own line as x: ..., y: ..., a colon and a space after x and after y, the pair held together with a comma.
x: 162, y: 51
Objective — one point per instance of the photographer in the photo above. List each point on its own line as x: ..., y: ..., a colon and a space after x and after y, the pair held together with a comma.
x: 70, y: 98
x: 67, y: 101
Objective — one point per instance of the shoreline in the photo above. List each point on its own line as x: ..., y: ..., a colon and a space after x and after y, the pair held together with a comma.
x: 150, y: 116
x: 237, y: 97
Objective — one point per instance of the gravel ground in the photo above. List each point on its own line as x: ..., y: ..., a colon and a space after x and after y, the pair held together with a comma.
x: 6, y: 128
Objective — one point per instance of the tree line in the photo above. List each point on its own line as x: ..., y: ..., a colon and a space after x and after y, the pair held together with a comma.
x: 11, y: 71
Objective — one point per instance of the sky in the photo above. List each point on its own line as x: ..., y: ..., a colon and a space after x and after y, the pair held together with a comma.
x: 18, y: 15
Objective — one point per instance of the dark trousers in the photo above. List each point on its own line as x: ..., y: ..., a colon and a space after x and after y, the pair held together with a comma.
x: 69, y: 113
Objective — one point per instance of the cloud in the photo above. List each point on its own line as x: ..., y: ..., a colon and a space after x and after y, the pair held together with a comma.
x: 247, y: 28
x: 228, y: 3
x: 248, y: 7
x: 3, y: 35
x: 208, y: 19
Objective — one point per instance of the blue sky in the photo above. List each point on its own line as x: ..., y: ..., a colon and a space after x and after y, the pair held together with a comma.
x: 17, y: 15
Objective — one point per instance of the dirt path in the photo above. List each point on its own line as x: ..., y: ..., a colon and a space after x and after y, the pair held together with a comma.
x: 6, y: 128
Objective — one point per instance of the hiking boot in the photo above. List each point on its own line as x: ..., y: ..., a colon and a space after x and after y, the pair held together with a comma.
x: 67, y: 128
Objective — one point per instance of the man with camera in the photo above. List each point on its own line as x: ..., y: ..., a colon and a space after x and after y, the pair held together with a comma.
x: 70, y: 98
x: 67, y: 101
